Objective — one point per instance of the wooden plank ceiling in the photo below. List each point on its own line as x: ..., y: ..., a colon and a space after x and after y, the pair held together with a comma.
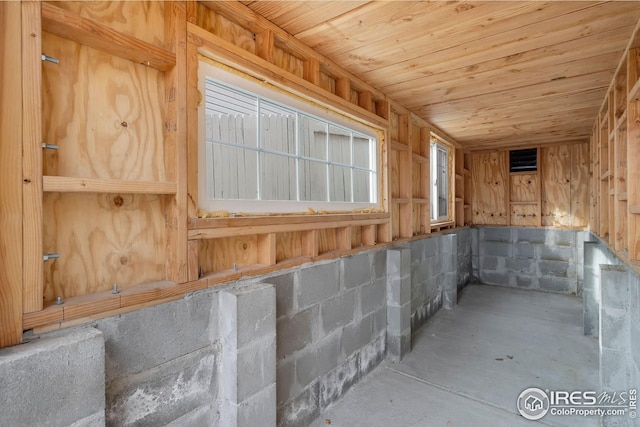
x: 488, y: 73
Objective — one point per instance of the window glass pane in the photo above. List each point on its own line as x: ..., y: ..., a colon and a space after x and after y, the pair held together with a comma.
x: 313, y: 181
x: 339, y: 145
x: 277, y: 128
x: 340, y: 183
x: 443, y: 180
x: 231, y: 172
x: 230, y: 115
x: 222, y: 99
x: 278, y: 179
x: 361, y: 186
x: 362, y: 151
x: 313, y: 138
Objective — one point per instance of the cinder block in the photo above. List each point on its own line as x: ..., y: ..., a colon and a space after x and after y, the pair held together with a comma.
x: 398, y: 346
x: 557, y: 253
x: 531, y: 236
x: 417, y: 251
x: 524, y: 250
x: 449, y: 244
x: 559, y: 237
x: 398, y: 319
x: 558, y: 284
x: 450, y: 299
x: 338, y: 311
x: 256, y: 366
x: 474, y: 235
x: 317, y: 283
x: 55, y: 380
x: 356, y: 335
x: 379, y: 259
x: 373, y: 296
x: 527, y: 282
x: 171, y: 330
x: 492, y: 263
x: 556, y: 269
x: 259, y: 409
x: 499, y: 249
x: 520, y: 265
x: 97, y: 419
x: 614, y: 287
x: 614, y: 370
x: 284, y: 293
x: 431, y: 246
x: 495, y: 234
x: 255, y: 307
x: 356, y: 270
x: 205, y: 415
x: 503, y: 278
x: 372, y: 354
x: 338, y: 381
x: 614, y: 329
x: 317, y: 360
x: 286, y: 384
x: 379, y: 321
x: 163, y: 394
x: 398, y: 262
x: 591, y: 312
x: 301, y: 410
x: 294, y: 333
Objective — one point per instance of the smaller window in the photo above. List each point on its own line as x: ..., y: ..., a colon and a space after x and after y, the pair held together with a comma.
x: 439, y: 182
x: 523, y: 160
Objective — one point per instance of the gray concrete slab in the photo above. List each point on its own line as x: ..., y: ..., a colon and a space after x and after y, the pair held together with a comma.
x: 468, y: 365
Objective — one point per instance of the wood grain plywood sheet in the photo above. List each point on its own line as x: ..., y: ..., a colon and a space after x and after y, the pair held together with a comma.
x: 490, y: 179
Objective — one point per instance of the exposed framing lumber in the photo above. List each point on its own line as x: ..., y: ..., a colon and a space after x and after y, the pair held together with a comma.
x: 65, y: 184
x: 93, y: 34
x: 32, y: 157
x: 10, y: 175
x: 175, y: 143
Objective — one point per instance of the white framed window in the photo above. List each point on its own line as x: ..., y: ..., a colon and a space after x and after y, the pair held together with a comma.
x: 262, y: 150
x: 439, y: 181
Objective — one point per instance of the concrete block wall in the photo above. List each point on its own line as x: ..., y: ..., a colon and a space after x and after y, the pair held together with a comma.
x: 543, y: 259
x: 440, y: 266
x: 56, y: 380
x: 272, y: 350
x: 331, y: 330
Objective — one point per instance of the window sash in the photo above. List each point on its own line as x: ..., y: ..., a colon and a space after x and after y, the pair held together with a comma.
x: 349, y: 179
x: 439, y: 182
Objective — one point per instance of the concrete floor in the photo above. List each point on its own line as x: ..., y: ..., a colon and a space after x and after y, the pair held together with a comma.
x: 468, y: 366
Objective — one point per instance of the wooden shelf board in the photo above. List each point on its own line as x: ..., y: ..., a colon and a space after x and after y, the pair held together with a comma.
x: 467, y: 206
x: 213, y: 228
x: 634, y: 93
x: 622, y: 196
x: 400, y: 200
x: 398, y: 146
x: 635, y: 209
x: 612, y: 191
x: 523, y: 203
x: 419, y: 158
x: 421, y: 201
x: 90, y: 33
x: 63, y: 184
x: 459, y: 200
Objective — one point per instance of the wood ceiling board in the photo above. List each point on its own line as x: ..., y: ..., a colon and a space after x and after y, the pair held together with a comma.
x: 298, y: 16
x: 581, y: 48
x: 561, y: 104
x: 507, y: 80
x: 444, y: 31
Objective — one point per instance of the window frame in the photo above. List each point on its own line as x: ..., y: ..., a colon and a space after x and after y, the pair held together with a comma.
x: 268, y: 93
x: 437, y: 145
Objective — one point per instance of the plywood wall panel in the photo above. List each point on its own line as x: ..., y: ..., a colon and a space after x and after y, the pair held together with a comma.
x: 524, y: 215
x: 523, y: 188
x: 104, y: 113
x: 225, y: 29
x: 288, y: 245
x: 102, y: 239
x: 490, y: 180
x: 580, y: 185
x: 221, y: 254
x: 555, y: 165
x: 288, y: 62
x: 140, y: 19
